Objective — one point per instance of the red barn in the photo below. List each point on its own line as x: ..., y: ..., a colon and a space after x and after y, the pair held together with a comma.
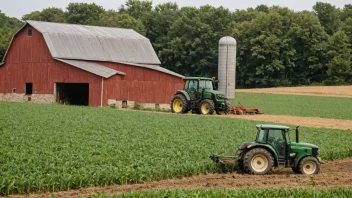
x: 84, y: 65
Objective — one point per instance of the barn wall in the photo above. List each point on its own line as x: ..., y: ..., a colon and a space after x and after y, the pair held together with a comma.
x: 29, y: 60
x: 140, y: 85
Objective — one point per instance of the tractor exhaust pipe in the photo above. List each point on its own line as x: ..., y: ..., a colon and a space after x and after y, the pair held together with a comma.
x: 297, y: 134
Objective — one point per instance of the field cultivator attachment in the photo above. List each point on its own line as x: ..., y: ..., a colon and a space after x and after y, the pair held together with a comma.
x: 223, y: 159
x: 240, y: 110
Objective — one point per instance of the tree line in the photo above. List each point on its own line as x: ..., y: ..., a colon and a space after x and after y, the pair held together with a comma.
x: 276, y: 46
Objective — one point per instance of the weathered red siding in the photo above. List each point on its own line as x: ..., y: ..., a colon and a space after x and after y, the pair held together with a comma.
x: 29, y: 60
x: 141, y: 85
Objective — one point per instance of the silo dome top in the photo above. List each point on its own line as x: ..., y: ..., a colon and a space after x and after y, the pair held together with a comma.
x: 227, y: 40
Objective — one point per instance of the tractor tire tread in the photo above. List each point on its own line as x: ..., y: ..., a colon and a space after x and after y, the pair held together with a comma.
x: 248, y: 158
x: 309, y: 158
x: 211, y: 106
x: 184, y: 103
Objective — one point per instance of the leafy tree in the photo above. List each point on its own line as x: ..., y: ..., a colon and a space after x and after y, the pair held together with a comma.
x: 167, y: 7
x: 340, y: 53
x: 84, y: 13
x: 5, y: 37
x: 136, y: 8
x: 328, y: 16
x: 193, y: 40
x: 114, y: 19
x: 35, y: 16
x: 347, y: 28
x: 245, y: 15
x: 8, y: 26
x: 262, y: 8
x: 48, y: 14
x: 158, y: 23
x: 310, y: 43
x: 8, y: 22
x: 346, y: 12
x: 265, y: 52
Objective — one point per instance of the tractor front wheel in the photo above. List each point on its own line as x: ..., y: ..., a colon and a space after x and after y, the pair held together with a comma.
x: 206, y: 107
x: 258, y: 161
x: 179, y: 104
x: 227, y: 109
x: 309, y: 166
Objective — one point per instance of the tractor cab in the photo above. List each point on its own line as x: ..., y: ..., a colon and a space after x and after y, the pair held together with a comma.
x: 198, y: 88
x: 275, y: 136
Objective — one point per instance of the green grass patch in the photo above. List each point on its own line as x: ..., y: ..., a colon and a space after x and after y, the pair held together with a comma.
x: 310, y: 106
x: 292, y: 193
x: 54, y: 147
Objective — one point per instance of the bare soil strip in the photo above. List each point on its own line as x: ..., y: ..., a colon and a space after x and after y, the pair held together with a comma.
x: 300, y: 121
x: 333, y: 174
x: 333, y: 91
x: 313, y: 122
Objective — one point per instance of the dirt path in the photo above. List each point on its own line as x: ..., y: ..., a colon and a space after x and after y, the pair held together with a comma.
x: 336, y: 173
x: 336, y: 91
x: 300, y: 121
x: 314, y: 122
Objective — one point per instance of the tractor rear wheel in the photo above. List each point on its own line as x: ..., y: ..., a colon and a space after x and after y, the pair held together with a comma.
x: 206, y: 107
x: 258, y: 161
x: 226, y: 110
x: 179, y: 104
x: 309, y: 166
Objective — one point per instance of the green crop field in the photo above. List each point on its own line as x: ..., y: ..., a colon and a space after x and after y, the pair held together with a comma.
x: 308, y: 193
x: 312, y: 106
x: 53, y: 147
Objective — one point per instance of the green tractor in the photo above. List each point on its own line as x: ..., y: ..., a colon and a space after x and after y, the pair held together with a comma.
x: 200, y: 96
x: 273, y: 148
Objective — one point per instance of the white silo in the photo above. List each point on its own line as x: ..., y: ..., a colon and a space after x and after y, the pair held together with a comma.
x: 227, y: 66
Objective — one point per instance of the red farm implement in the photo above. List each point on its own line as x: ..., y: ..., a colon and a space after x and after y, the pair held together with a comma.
x: 241, y: 110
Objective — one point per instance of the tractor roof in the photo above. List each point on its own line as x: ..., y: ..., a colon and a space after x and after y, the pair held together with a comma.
x: 271, y: 126
x: 196, y: 78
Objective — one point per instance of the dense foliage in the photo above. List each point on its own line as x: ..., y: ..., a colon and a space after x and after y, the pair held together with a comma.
x: 308, y: 106
x: 276, y: 46
x: 8, y: 26
x: 292, y: 193
x: 53, y: 147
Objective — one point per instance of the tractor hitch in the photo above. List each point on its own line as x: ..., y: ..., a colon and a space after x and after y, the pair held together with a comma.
x: 224, y: 159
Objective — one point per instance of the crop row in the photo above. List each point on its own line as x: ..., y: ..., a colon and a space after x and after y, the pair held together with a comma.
x: 52, y: 147
x: 292, y: 193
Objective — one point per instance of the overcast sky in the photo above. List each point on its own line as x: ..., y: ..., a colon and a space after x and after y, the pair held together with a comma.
x: 18, y: 8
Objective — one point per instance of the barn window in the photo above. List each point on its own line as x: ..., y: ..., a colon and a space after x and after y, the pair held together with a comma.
x: 29, y: 88
x: 29, y: 31
x: 124, y: 104
x: 13, y: 90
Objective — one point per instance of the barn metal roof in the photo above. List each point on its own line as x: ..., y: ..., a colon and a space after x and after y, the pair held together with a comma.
x: 155, y: 67
x: 92, y: 67
x: 83, y: 42
x: 77, y: 45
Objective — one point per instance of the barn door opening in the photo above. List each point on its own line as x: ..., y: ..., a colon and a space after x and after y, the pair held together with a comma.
x: 72, y: 93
